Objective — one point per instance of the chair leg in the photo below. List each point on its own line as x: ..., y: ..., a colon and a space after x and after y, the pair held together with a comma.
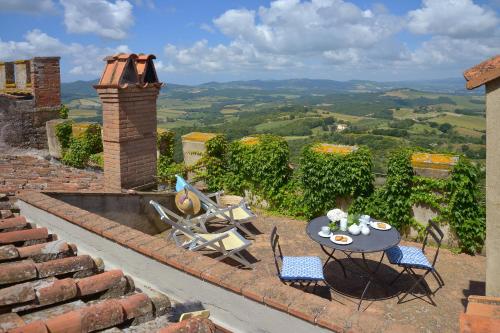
x: 397, y: 277
x: 418, y: 282
x: 245, y: 230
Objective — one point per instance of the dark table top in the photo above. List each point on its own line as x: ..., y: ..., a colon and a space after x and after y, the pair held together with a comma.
x: 376, y: 241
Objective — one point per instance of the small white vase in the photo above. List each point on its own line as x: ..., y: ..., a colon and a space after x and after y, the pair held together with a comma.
x: 365, y: 230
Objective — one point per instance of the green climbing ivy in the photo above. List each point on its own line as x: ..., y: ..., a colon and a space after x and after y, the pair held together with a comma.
x: 212, y: 167
x: 455, y: 200
x: 63, y: 133
x: 466, y: 216
x: 79, y: 150
x: 262, y: 167
x: 166, y: 167
x: 324, y: 177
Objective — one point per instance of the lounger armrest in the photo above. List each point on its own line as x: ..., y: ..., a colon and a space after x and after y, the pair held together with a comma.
x: 217, y: 196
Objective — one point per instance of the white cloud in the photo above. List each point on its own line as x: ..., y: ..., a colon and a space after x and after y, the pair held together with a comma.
x: 207, y: 28
x: 454, y: 18
x: 288, y: 26
x: 110, y: 19
x: 446, y: 51
x: 338, y: 39
x: 289, y: 34
x: 84, y: 59
x: 237, y: 56
x: 27, y: 6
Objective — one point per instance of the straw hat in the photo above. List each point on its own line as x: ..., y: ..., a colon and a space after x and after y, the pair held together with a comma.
x: 187, y: 202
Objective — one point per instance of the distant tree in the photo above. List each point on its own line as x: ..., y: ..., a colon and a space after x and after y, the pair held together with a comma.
x: 329, y: 121
x: 445, y: 127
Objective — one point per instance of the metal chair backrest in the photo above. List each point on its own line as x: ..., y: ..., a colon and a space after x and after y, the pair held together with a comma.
x: 275, y: 246
x: 168, y: 217
x: 437, y: 235
x: 209, y: 203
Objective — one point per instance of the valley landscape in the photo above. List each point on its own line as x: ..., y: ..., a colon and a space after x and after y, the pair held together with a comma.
x: 439, y: 115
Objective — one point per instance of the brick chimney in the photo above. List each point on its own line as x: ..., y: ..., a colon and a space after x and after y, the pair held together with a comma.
x: 128, y: 90
x: 46, y: 82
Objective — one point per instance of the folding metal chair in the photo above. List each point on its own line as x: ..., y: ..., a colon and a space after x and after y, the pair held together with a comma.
x: 302, y: 270
x: 229, y: 244
x: 412, y: 258
x: 234, y: 215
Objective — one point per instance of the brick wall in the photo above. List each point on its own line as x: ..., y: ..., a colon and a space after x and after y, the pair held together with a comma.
x: 46, y: 82
x: 129, y: 136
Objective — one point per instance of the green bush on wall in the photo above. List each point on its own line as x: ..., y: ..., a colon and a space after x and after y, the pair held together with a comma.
x: 212, y: 167
x: 81, y: 148
x: 391, y: 202
x: 167, y: 168
x: 326, y: 176
x: 64, y: 132
x: 455, y: 199
x: 260, y: 164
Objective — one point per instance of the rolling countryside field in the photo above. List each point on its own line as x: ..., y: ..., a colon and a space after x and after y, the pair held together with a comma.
x: 379, y: 116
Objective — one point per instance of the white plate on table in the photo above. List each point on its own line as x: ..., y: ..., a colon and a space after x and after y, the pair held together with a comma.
x: 374, y: 225
x: 321, y: 234
x: 348, y: 241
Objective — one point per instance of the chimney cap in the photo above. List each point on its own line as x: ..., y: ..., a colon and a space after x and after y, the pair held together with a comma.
x: 125, y: 69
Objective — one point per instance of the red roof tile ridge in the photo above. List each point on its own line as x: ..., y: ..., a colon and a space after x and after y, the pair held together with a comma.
x: 482, y: 73
x: 97, y: 316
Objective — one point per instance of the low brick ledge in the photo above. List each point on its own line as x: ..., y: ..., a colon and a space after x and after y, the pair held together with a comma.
x: 266, y: 290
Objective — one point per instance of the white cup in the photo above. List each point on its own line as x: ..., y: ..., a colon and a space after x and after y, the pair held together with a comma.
x: 325, y: 230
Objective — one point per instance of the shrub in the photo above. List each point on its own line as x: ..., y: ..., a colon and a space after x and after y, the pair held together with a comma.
x: 78, y: 151
x: 324, y: 177
x: 165, y: 142
x: 260, y: 164
x: 64, y: 133
x: 63, y: 112
x: 96, y: 160
x: 212, y: 167
x: 92, y: 137
x: 456, y: 199
x: 77, y: 154
x: 167, y: 168
x: 466, y: 215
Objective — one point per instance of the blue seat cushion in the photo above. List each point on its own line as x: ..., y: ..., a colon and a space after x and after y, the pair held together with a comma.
x: 408, y: 256
x: 302, y: 268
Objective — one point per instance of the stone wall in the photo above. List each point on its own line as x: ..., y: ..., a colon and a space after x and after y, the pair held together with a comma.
x: 29, y: 96
x: 21, y: 125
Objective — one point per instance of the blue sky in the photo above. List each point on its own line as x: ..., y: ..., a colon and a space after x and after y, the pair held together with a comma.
x: 221, y: 40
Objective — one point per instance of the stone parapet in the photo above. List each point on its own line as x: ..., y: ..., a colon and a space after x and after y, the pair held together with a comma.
x: 433, y: 165
x: 193, y: 148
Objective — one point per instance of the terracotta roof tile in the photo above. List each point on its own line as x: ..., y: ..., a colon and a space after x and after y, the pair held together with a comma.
x: 23, y: 235
x: 483, y: 73
x: 32, y: 288
x: 44, y: 285
x: 122, y: 70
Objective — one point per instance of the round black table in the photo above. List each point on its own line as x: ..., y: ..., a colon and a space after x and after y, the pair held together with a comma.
x: 376, y: 241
